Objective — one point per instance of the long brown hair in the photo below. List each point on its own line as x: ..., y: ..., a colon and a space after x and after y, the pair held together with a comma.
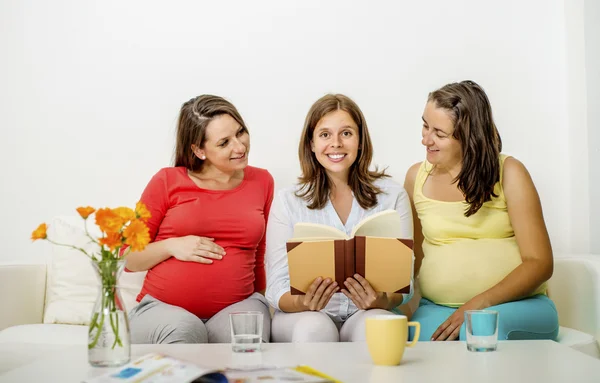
x: 314, y: 182
x: 194, y: 117
x: 475, y: 129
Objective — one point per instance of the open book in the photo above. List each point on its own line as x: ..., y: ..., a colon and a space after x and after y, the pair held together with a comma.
x: 375, y: 249
x: 158, y: 368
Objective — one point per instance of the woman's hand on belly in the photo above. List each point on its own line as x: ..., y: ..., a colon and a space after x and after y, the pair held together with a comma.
x: 192, y: 248
x: 450, y: 329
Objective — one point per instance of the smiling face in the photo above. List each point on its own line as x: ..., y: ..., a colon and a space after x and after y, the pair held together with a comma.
x: 335, y: 142
x: 226, y: 146
x: 442, y: 148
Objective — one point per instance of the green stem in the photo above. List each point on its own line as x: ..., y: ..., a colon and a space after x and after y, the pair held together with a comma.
x: 108, y: 271
x: 71, y: 246
x: 114, y: 323
x: 115, y: 326
x: 93, y: 322
x: 117, y: 333
x: 98, y: 331
x: 87, y: 232
x: 127, y: 251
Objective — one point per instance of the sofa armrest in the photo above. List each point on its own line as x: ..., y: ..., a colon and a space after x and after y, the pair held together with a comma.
x: 575, y: 289
x: 22, y: 294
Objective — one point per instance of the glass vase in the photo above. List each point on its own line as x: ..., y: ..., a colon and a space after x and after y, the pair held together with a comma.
x: 108, y: 336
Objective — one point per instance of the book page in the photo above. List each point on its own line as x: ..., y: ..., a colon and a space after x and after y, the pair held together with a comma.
x: 316, y: 230
x: 386, y: 224
x: 312, y: 239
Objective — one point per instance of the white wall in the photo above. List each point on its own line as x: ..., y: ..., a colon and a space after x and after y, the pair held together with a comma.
x: 576, y: 102
x: 592, y: 65
x: 90, y: 90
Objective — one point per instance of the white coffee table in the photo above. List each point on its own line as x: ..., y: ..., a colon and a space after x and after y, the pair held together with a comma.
x: 440, y: 362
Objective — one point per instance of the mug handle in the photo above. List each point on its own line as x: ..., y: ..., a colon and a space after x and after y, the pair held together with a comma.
x: 417, y: 327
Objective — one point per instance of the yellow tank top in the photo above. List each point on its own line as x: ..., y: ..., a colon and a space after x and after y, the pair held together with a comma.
x: 464, y: 257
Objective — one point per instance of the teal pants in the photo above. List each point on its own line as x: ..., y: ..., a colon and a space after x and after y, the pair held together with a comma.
x: 529, y: 318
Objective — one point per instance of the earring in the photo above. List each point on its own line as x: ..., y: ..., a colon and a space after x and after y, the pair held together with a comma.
x: 203, y: 158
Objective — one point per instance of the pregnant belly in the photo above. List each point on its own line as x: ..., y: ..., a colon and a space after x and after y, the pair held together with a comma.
x: 452, y: 274
x: 201, y: 289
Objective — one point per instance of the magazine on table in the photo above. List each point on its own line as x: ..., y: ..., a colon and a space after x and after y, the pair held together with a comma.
x: 158, y: 368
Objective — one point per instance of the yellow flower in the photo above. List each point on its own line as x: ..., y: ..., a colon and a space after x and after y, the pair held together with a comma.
x: 85, y: 212
x: 108, y: 220
x: 40, y: 232
x: 125, y: 213
x: 112, y: 240
x: 137, y: 235
x: 142, y: 212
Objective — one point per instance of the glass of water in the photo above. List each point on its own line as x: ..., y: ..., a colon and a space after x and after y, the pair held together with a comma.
x: 246, y: 330
x: 482, y: 330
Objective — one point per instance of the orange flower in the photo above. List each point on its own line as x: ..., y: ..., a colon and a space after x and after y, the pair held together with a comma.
x: 141, y: 211
x: 125, y: 213
x: 137, y: 235
x: 85, y: 212
x: 40, y: 232
x: 112, y: 240
x: 108, y: 220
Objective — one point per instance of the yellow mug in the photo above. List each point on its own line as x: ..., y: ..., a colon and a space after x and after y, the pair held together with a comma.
x: 387, y: 337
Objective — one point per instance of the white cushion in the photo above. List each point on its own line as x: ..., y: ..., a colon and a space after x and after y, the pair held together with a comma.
x: 45, y: 334
x: 575, y: 289
x: 578, y: 340
x: 72, y: 286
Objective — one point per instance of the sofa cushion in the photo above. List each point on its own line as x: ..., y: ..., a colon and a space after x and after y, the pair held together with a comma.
x: 579, y: 341
x: 45, y: 334
x: 15, y: 355
x: 20, y: 345
x: 22, y: 293
x: 72, y: 286
x: 575, y: 289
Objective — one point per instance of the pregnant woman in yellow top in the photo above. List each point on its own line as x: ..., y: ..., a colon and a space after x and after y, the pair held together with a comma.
x: 479, y: 219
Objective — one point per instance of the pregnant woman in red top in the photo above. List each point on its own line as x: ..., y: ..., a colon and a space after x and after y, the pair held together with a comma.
x: 208, y: 222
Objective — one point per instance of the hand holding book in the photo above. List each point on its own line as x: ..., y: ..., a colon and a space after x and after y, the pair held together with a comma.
x: 362, y: 294
x: 375, y: 250
x: 318, y: 294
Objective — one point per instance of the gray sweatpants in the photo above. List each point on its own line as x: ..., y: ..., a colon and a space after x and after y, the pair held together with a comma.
x: 153, y: 321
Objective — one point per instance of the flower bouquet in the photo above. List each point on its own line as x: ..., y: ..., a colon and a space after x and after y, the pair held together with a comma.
x: 123, y: 230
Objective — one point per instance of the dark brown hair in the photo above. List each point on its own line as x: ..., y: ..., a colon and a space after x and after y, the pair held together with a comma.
x: 474, y: 128
x: 194, y: 117
x: 314, y: 182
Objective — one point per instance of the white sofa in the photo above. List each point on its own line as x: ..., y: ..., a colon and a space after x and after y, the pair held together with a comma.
x: 46, y: 306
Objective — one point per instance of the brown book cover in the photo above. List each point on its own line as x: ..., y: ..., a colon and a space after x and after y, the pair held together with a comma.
x: 375, y: 251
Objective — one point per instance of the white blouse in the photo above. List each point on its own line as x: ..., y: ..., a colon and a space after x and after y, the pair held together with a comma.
x: 288, y: 209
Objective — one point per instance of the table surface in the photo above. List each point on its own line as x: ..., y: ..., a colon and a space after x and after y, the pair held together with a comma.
x: 514, y: 361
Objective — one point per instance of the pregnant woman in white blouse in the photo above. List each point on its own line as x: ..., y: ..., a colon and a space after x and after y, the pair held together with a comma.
x: 336, y: 188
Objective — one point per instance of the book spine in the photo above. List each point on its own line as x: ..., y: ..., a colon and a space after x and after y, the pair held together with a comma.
x: 360, y: 249
x: 349, y: 269
x: 340, y: 261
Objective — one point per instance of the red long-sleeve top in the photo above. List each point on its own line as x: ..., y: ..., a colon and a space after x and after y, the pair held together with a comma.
x: 235, y: 218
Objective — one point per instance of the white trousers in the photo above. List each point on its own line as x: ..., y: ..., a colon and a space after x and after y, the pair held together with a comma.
x: 316, y: 326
